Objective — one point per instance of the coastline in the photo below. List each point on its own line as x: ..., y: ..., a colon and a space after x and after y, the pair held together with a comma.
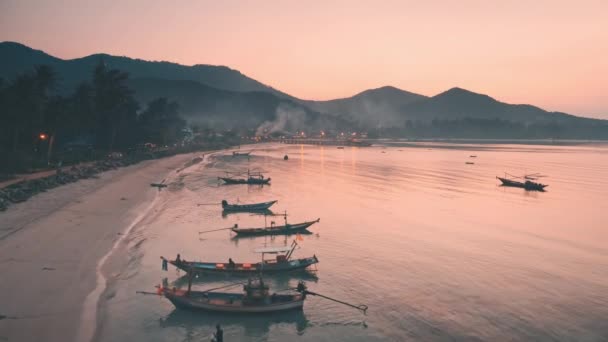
x: 53, y: 246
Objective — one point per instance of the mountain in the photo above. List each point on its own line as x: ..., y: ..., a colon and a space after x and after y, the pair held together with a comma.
x: 379, y: 107
x: 220, y: 108
x: 223, y: 97
x: 16, y: 58
x: 458, y: 103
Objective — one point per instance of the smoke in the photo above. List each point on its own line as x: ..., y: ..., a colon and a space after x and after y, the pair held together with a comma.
x: 287, y: 118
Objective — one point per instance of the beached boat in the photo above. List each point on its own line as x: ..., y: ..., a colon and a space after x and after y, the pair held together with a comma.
x: 247, y: 207
x: 285, y: 229
x: 255, y: 299
x: 525, y: 182
x: 241, y: 154
x: 281, y: 263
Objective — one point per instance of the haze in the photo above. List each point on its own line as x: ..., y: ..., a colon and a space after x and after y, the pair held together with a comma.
x: 547, y: 53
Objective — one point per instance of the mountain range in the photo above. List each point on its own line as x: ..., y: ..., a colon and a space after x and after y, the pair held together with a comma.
x: 218, y: 96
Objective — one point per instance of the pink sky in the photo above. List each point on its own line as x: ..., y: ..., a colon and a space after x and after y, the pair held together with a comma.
x: 553, y: 54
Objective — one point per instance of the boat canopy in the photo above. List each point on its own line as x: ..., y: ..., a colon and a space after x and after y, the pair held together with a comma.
x: 273, y: 249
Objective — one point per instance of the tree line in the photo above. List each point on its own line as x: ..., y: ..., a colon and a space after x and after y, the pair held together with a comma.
x: 101, y: 114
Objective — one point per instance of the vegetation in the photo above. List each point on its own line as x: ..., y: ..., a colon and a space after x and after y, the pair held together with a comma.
x: 99, y: 117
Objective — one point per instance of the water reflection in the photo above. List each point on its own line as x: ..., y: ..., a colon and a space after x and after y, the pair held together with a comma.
x: 253, y: 325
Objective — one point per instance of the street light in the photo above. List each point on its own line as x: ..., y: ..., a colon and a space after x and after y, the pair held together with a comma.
x: 43, y: 136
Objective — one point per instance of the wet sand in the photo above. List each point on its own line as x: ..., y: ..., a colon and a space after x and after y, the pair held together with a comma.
x: 52, y: 246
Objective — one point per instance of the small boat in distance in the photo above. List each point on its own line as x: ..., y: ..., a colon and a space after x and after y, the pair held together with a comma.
x: 241, y: 154
x: 525, y: 182
x: 247, y: 207
x: 286, y: 229
x: 282, y: 263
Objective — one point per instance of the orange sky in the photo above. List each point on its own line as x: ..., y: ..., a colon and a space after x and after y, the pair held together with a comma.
x: 553, y: 54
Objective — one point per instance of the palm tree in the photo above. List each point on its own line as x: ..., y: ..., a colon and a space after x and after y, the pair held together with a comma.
x: 115, y: 105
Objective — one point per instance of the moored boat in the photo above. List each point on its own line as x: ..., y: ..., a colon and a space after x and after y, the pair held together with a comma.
x: 247, y: 207
x: 526, y: 182
x: 255, y: 299
x: 241, y: 154
x: 252, y: 178
x: 281, y: 263
x: 285, y: 229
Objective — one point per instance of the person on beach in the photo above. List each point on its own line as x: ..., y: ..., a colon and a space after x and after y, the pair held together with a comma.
x: 231, y: 263
x: 219, y: 334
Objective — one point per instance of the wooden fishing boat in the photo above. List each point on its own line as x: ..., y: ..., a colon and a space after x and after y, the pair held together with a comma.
x: 255, y: 299
x: 252, y: 178
x: 281, y: 263
x: 274, y: 229
x: 247, y: 207
x: 526, y: 182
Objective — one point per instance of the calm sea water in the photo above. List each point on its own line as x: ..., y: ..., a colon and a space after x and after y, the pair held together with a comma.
x: 434, y: 247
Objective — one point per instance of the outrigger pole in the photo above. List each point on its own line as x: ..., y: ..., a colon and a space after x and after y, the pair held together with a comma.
x: 214, y: 230
x: 361, y: 307
x: 304, y: 290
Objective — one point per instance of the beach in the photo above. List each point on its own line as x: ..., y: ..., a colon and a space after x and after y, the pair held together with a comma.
x: 53, y: 246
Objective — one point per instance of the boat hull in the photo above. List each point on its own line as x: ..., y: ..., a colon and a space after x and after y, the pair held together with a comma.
x: 231, y: 181
x: 232, y: 302
x: 248, y: 207
x: 524, y: 185
x: 276, y: 230
x: 245, y: 268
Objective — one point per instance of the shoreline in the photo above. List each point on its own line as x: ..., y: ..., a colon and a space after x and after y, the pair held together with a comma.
x: 52, y: 246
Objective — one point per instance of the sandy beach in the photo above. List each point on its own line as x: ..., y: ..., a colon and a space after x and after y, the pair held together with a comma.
x: 53, y: 246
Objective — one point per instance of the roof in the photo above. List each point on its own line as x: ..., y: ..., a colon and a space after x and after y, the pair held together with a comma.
x: 272, y: 250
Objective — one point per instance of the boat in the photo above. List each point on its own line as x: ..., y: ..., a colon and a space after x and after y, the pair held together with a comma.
x: 252, y: 178
x: 255, y: 299
x: 525, y: 182
x: 241, y: 154
x: 249, y: 180
x: 285, y: 229
x: 247, y: 207
x: 281, y: 263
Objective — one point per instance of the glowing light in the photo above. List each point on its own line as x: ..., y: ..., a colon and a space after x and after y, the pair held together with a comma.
x: 43, y: 136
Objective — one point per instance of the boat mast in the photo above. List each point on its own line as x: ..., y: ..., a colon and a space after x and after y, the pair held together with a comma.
x: 294, y: 244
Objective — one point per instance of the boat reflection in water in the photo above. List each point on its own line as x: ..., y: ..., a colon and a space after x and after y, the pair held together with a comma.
x: 253, y: 325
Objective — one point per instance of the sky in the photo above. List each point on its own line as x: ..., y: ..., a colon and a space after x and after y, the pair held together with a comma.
x: 553, y: 54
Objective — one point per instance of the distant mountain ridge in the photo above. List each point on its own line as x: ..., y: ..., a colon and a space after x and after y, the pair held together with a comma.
x: 16, y: 58
x: 223, y: 96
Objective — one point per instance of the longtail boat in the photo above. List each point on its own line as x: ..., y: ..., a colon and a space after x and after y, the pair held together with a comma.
x: 256, y: 299
x: 286, y: 229
x: 247, y: 207
x: 526, y: 182
x: 282, y: 263
x: 252, y: 178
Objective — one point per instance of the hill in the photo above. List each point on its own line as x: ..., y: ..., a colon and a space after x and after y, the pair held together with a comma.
x: 16, y: 58
x: 379, y: 107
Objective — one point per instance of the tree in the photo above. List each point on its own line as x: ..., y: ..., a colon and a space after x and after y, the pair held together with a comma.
x: 115, y: 106
x: 160, y: 122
